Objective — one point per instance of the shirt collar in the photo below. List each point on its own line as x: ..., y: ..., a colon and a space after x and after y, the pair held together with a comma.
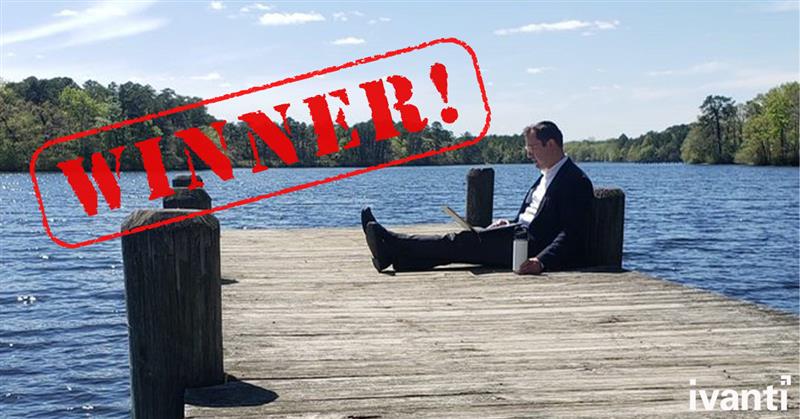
x: 551, y: 172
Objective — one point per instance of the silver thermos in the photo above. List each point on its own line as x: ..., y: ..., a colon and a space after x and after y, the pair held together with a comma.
x: 520, y: 250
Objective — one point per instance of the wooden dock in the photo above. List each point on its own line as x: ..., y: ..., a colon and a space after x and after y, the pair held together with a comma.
x: 311, y: 330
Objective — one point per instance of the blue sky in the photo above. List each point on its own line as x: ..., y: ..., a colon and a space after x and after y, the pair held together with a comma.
x: 598, y: 69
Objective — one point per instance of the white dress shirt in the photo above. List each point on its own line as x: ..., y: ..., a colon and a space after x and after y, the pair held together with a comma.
x: 538, y: 194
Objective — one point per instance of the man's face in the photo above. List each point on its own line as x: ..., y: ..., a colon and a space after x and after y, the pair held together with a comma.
x: 535, y: 150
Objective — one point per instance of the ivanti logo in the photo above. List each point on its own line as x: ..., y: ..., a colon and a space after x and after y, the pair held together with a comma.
x: 730, y: 399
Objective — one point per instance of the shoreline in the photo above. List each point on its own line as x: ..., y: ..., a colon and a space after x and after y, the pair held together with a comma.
x: 444, y: 165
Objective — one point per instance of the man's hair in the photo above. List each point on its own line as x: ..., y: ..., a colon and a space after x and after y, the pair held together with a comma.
x: 545, y: 131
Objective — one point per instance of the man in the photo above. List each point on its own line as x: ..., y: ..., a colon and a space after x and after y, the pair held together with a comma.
x: 555, y: 212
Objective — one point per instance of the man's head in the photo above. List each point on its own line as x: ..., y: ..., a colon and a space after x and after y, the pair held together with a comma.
x: 544, y: 144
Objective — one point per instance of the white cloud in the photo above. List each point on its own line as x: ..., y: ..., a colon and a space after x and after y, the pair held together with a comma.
x: 602, y: 25
x: 345, y: 16
x: 703, y: 68
x: 279, y: 19
x: 380, y: 19
x: 39, y: 56
x: 207, y: 77
x: 537, y: 70
x: 102, y: 21
x: 11, y: 54
x: 216, y: 5
x: 226, y: 84
x: 605, y: 88
x: 747, y: 80
x: 66, y: 13
x: 781, y: 6
x: 255, y: 6
x: 754, y: 80
x: 564, y: 25
x: 106, y: 32
x: 350, y: 40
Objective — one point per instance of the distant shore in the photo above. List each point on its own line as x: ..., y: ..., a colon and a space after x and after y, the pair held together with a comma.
x: 422, y: 164
x: 762, y: 131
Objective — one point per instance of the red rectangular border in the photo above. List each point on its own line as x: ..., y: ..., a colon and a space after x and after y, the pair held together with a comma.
x: 307, y: 185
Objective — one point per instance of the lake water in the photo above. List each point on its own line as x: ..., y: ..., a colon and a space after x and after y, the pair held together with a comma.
x: 63, y: 342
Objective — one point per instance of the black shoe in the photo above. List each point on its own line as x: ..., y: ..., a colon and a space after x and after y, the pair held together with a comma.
x: 381, y: 258
x: 366, y: 218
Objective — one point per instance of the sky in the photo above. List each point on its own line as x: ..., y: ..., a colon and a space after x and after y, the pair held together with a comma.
x: 598, y: 69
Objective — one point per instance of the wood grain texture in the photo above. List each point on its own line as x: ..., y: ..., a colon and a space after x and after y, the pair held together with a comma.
x: 306, y: 317
x: 173, y: 299
x: 607, y: 227
x: 188, y: 199
x: 480, y: 196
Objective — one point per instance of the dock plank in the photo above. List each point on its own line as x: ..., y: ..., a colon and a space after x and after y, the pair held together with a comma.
x: 306, y: 317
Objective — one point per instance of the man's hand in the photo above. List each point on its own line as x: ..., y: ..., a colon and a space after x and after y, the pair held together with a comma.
x: 531, y: 266
x: 499, y: 223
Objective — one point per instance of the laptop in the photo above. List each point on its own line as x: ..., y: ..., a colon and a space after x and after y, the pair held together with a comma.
x: 457, y: 218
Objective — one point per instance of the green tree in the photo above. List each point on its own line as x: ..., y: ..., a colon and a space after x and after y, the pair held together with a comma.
x: 761, y: 131
x: 696, y: 148
x: 718, y: 114
x: 770, y: 127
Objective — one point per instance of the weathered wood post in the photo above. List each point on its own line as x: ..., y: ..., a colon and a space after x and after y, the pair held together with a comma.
x: 187, y: 198
x: 183, y: 181
x: 607, y: 228
x: 480, y: 196
x: 174, y: 305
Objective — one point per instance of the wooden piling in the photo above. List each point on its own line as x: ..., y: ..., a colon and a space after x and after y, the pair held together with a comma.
x: 607, y: 226
x: 183, y: 181
x: 480, y: 196
x: 173, y: 298
x: 188, y: 199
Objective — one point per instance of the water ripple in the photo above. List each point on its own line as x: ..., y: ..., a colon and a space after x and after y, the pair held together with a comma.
x: 730, y: 229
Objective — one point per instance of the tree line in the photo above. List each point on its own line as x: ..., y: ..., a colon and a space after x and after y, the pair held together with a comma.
x: 761, y: 131
x: 33, y: 111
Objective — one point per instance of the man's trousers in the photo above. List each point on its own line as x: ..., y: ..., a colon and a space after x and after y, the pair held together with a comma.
x: 490, y: 247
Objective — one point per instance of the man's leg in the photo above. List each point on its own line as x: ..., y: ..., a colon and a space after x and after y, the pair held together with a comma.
x: 491, y: 247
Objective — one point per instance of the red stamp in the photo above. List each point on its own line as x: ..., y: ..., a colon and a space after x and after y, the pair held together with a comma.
x: 390, y: 97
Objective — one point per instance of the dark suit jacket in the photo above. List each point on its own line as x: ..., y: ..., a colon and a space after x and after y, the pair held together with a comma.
x: 558, y: 233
